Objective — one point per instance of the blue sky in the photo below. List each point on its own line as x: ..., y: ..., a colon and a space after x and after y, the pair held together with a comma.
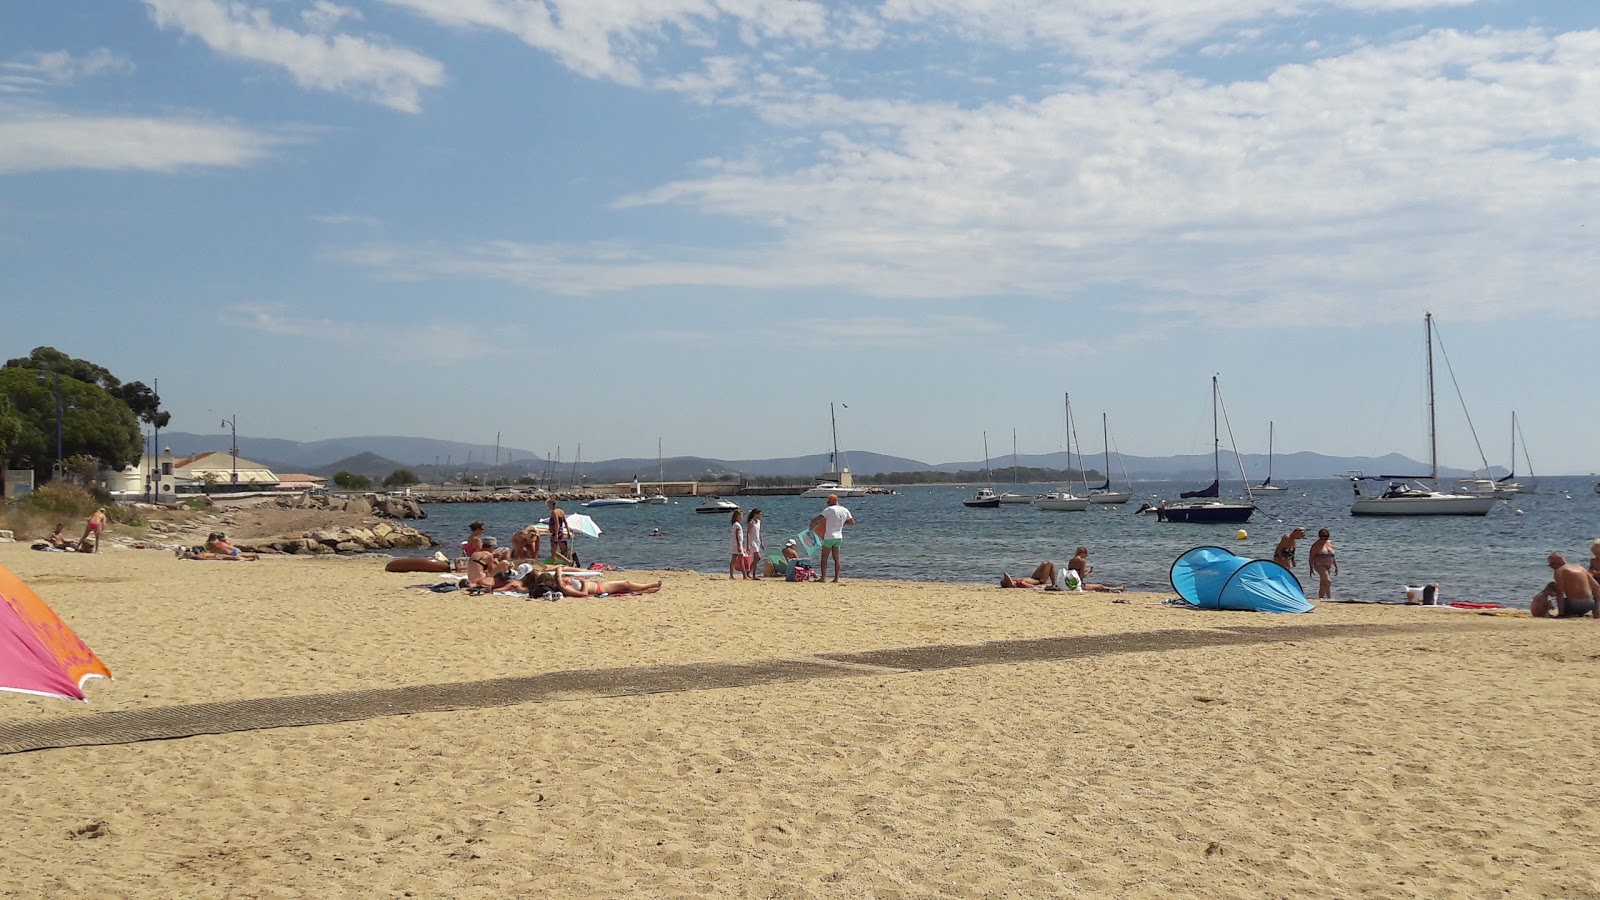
x: 603, y: 222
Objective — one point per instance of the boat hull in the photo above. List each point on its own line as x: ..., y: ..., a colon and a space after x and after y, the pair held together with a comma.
x: 1109, y: 497
x: 613, y: 501
x: 1061, y: 504
x: 1267, y: 487
x: 975, y: 503
x: 1205, y: 513
x: 1015, y: 499
x: 1432, y: 505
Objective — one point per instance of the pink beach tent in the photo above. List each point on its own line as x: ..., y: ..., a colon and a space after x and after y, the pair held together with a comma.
x: 39, y: 654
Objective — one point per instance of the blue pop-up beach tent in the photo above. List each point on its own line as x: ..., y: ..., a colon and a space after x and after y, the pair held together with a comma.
x: 1214, y: 578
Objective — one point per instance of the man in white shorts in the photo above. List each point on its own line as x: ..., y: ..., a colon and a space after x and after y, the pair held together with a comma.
x: 830, y: 524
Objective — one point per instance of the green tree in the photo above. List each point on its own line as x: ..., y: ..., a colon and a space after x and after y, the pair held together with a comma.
x: 93, y: 422
x: 401, y: 478
x: 209, y: 480
x: 351, y: 481
x: 140, y: 399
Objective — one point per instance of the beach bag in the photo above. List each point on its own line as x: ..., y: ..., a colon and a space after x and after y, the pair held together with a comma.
x: 1071, y: 581
x: 802, y: 572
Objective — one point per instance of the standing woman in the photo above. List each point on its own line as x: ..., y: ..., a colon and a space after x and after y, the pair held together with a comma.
x: 1324, y: 564
x: 752, y: 544
x: 738, y: 560
x: 1283, y: 554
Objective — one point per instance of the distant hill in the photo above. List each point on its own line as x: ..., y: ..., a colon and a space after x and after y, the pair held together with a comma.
x: 368, y: 455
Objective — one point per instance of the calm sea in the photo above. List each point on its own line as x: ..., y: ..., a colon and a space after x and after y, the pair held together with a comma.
x: 924, y: 533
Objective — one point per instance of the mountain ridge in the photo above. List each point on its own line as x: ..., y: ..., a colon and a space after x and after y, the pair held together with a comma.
x: 413, y: 452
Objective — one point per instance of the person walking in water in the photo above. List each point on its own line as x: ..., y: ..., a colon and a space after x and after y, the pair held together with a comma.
x: 740, y: 559
x: 1283, y: 554
x: 831, y: 522
x: 1324, y: 564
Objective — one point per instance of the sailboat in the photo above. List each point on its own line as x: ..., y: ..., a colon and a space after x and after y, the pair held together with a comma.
x: 1402, y: 499
x: 1012, y: 496
x: 1509, y: 481
x: 985, y: 498
x: 1202, y: 506
x: 1065, y: 500
x: 659, y: 498
x: 1268, y: 485
x: 835, y: 481
x: 1104, y: 493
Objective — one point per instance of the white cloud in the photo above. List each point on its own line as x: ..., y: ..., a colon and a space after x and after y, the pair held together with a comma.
x: 323, y: 16
x: 42, y: 142
x: 1449, y: 169
x: 436, y: 342
x: 367, y: 68
x: 34, y: 72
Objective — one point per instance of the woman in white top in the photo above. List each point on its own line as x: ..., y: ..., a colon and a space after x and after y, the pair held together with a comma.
x: 752, y: 543
x: 738, y: 561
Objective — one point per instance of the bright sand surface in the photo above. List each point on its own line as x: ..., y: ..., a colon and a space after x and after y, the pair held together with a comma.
x: 1455, y: 761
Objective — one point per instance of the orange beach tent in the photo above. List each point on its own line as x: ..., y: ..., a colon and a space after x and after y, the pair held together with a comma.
x: 39, y: 654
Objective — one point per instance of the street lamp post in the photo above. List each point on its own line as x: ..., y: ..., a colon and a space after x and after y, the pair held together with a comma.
x: 233, y: 425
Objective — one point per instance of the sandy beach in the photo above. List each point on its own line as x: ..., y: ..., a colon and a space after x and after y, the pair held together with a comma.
x: 1455, y: 759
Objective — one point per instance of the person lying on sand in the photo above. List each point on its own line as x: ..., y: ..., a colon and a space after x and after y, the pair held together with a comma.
x: 56, y: 539
x: 555, y: 578
x: 1045, y: 574
x: 1571, y: 594
x: 218, y: 544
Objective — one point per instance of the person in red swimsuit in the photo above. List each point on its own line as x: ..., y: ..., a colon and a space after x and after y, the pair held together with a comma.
x: 95, y: 526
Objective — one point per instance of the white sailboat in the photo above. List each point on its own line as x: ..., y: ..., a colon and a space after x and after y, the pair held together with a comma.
x: 985, y: 498
x: 836, y: 481
x: 1104, y: 494
x: 1065, y: 500
x: 659, y: 498
x: 1509, y: 482
x: 1268, y: 485
x: 1412, y: 499
x: 1011, y: 496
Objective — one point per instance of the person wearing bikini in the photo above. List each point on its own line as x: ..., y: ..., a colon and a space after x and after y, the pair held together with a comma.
x: 1283, y: 555
x: 1324, y: 564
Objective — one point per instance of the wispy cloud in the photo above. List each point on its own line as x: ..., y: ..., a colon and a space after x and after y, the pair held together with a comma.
x: 36, y: 142
x: 36, y: 72
x: 340, y: 219
x: 436, y: 342
x: 365, y: 67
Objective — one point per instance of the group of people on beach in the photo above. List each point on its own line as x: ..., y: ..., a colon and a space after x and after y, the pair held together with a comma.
x: 519, y: 569
x: 1573, y: 591
x: 1324, y: 561
x: 748, y: 547
x: 1074, y: 576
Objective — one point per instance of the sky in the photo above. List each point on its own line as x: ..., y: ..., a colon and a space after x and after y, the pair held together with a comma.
x: 601, y: 222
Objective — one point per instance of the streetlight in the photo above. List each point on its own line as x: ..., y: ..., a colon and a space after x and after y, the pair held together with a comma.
x: 233, y: 424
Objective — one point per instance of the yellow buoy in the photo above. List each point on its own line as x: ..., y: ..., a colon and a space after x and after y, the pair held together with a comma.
x: 1241, y: 534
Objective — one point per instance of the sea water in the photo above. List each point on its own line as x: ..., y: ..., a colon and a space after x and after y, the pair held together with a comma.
x: 926, y: 534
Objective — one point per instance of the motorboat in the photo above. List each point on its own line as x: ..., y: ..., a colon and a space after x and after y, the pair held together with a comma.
x: 824, y: 488
x: 1063, y: 499
x: 985, y: 498
x: 1268, y: 485
x: 657, y: 500
x: 1203, y: 507
x: 613, y: 501
x: 717, y: 505
x: 1404, y: 496
x: 1483, y: 487
x: 1412, y: 499
x: 1104, y: 494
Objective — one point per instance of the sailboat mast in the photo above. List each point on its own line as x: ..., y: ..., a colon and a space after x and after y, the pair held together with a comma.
x: 1513, y: 472
x: 661, y: 469
x: 833, y: 461
x: 1216, y: 441
x: 1013, y: 457
x: 1270, y: 429
x: 1433, y: 424
x: 1105, y: 440
x: 986, y: 473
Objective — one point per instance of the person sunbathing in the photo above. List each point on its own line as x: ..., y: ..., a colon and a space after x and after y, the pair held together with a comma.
x: 487, y: 567
x: 555, y: 579
x: 217, y: 544
x: 56, y: 539
x: 1045, y: 574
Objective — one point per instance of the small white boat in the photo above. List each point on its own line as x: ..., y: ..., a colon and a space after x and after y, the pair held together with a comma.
x: 657, y: 499
x: 1008, y: 498
x: 1061, y: 501
x: 985, y: 498
x: 822, y: 489
x: 1109, y: 497
x: 613, y: 501
x: 1483, y: 487
x: 1268, y: 485
x: 717, y: 505
x: 1104, y: 494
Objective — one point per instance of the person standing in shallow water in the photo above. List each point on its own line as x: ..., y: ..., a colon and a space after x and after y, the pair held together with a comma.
x: 1324, y: 563
x: 752, y: 543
